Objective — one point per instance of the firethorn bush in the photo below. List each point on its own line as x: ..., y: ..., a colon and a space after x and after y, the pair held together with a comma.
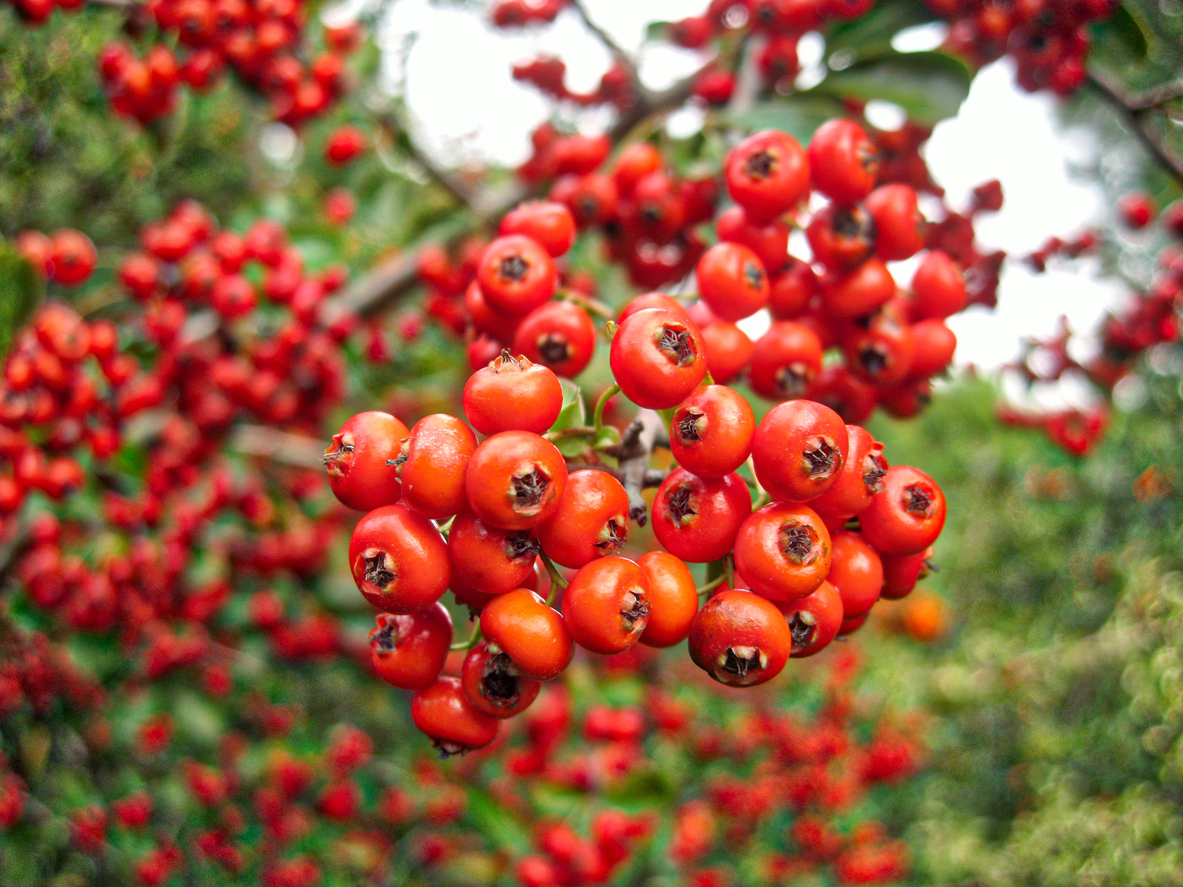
x: 374, y: 514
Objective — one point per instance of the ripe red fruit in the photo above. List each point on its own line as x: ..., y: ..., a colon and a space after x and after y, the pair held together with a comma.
x: 938, y: 288
x: 529, y: 632
x: 856, y: 571
x: 785, y: 360
x: 799, y: 449
x: 673, y: 599
x: 783, y: 551
x: 740, y: 639
x: 591, y: 520
x: 559, y: 335
x: 814, y: 620
x: 843, y: 161
x: 711, y: 431
x: 657, y: 358
x: 606, y: 605
x: 512, y: 393
x: 360, y: 460
x: 487, y: 559
x: 549, y: 223
x: 453, y: 724
x: 770, y: 242
x: 515, y: 479
x: 409, y: 650
x: 516, y: 275
x: 73, y: 257
x: 696, y: 518
x: 907, y: 516
x: 344, y: 144
x: 899, y: 226
x: 399, y: 560
x: 495, y: 685
x: 728, y: 350
x: 432, y: 463
x: 732, y: 281
x: 767, y: 174
x: 861, y: 477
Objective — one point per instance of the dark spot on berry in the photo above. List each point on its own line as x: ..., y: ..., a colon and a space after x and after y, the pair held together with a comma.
x: 528, y: 489
x: 821, y: 459
x: 521, y: 545
x: 761, y: 165
x: 740, y: 661
x: 501, y: 681
x: 675, y: 343
x: 792, y: 380
x: 553, y: 348
x: 677, y: 507
x: 918, y: 500
x: 798, y: 543
x: 690, y: 426
x: 616, y: 536
x: 376, y: 572
x: 754, y: 275
x: 385, y: 637
x: 873, y: 359
x: 514, y: 268
x: 802, y: 631
x: 874, y: 468
x: 638, y: 610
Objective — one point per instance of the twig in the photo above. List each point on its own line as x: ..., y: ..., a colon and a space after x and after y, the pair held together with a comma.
x: 607, y: 39
x: 392, y: 126
x: 1139, y: 117
x: 279, y: 446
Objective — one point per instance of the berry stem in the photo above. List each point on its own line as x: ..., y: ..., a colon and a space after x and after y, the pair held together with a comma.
x: 601, y: 404
x: 557, y: 582
x: 473, y: 639
x: 705, y: 590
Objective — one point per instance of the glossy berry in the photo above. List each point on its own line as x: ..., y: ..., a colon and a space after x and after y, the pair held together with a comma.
x: 512, y: 393
x: 516, y: 274
x: 606, y: 605
x: 657, y: 358
x: 673, y: 599
x: 767, y: 174
x: 361, y: 460
x: 532, y: 634
x: 711, y: 431
x: 559, y: 335
x: 732, y: 281
x: 550, y: 224
x: 740, y: 639
x: 432, y: 464
x: 783, y: 551
x: 907, y: 516
x: 495, y: 685
x: 696, y: 518
x: 487, y: 559
x: 409, y: 650
x: 591, y: 520
x: 454, y: 725
x: 399, y: 560
x: 843, y: 161
x: 814, y: 620
x: 514, y: 480
x: 799, y: 449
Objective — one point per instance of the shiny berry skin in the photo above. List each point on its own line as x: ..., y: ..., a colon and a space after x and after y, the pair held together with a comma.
x: 767, y: 174
x: 532, y: 634
x: 591, y: 521
x: 938, y: 289
x: 512, y: 393
x: 696, y: 518
x: 841, y: 237
x: 606, y: 605
x: 515, y: 479
x: 432, y: 464
x: 559, y: 335
x: 740, y: 639
x: 843, y: 161
x: 711, y: 431
x: 901, y: 572
x: 550, y: 224
x: 770, y: 242
x: 814, y: 620
x: 907, y: 516
x: 728, y: 350
x: 881, y: 348
x: 851, y: 294
x: 783, y: 551
x: 487, y: 559
x: 409, y: 650
x: 899, y: 226
x: 73, y: 257
x: 359, y: 460
x: 657, y: 358
x: 495, y: 685
x: 399, y: 560
x: 791, y: 289
x: 785, y: 360
x: 516, y: 274
x: 732, y: 281
x: 934, y: 345
x: 799, y: 449
x: 454, y: 725
x: 861, y: 477
x: 856, y: 571
x: 673, y: 599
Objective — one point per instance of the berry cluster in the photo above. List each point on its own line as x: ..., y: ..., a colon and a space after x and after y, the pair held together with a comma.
x: 259, y: 40
x: 513, y: 505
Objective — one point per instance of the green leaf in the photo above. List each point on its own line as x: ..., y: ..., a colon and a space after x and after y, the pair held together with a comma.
x: 1119, y: 41
x: 799, y: 115
x: 20, y: 291
x: 870, y: 36
x: 657, y: 31
x: 929, y: 86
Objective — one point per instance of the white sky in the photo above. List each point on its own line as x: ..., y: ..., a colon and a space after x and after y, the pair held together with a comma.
x: 467, y: 108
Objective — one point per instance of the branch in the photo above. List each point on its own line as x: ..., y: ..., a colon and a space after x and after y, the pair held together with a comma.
x: 607, y: 39
x: 290, y: 449
x: 392, y: 126
x: 1140, y: 119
